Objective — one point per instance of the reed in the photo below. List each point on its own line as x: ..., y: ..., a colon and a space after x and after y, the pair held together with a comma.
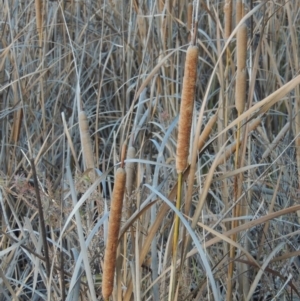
x: 240, y: 97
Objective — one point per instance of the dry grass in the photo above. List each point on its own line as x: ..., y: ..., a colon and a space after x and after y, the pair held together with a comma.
x: 122, y: 63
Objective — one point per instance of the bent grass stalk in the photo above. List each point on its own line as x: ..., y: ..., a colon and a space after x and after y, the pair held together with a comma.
x: 113, y: 233
x: 183, y: 141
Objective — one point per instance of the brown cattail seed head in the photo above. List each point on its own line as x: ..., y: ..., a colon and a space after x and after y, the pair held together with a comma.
x: 240, y: 90
x: 113, y: 233
x: 242, y: 47
x: 186, y: 108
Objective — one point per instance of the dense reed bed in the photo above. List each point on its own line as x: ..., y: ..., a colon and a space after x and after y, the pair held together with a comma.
x: 81, y: 218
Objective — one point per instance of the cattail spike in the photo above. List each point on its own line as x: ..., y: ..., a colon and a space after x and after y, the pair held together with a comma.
x: 186, y: 108
x: 241, y: 47
x: 113, y: 233
x: 240, y: 91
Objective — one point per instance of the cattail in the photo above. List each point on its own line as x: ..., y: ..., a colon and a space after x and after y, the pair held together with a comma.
x: 207, y: 130
x: 113, y: 233
x: 228, y: 17
x: 186, y: 108
x: 240, y: 91
x: 241, y: 47
x: 239, y: 8
x: 189, y: 19
x: 86, y: 142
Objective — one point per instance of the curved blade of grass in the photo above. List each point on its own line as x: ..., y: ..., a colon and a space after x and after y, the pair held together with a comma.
x: 82, y: 200
x: 83, y: 248
x: 76, y: 270
x: 205, y: 262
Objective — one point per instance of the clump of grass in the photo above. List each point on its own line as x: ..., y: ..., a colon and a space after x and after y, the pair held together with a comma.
x: 125, y: 62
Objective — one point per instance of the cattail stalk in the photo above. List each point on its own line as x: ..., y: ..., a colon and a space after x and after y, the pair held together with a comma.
x: 130, y: 177
x: 113, y: 233
x: 39, y: 20
x: 239, y: 10
x: 228, y: 18
x: 189, y: 20
x: 130, y: 166
x: 240, y: 97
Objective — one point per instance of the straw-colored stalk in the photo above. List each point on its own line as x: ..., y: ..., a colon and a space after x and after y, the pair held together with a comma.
x: 113, y: 233
x: 39, y: 20
x: 228, y: 18
x: 130, y: 166
x: 86, y: 142
x: 130, y: 176
x: 239, y: 9
x: 189, y: 19
x: 186, y: 108
x: 240, y: 97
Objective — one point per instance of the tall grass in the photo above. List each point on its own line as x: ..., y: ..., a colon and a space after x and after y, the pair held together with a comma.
x: 123, y: 63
